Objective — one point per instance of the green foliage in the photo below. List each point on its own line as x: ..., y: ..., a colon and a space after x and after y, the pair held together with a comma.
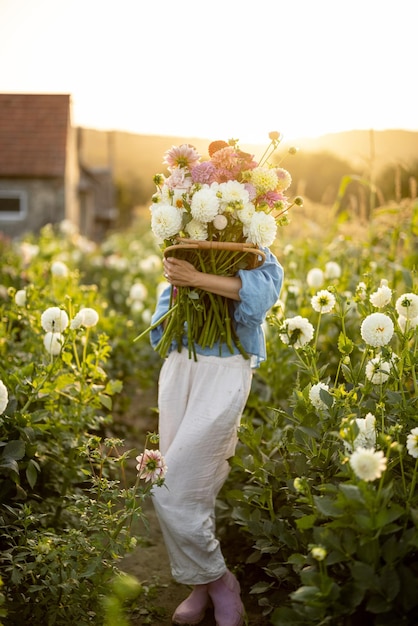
x: 68, y: 505
x: 330, y: 546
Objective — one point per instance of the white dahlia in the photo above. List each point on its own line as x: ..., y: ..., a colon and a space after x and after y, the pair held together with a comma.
x: 407, y: 305
x: 54, y: 320
x: 298, y: 331
x: 166, y: 220
x: 368, y: 464
x: 377, y: 329
x: 204, y: 205
x: 261, y: 230
x: 198, y: 230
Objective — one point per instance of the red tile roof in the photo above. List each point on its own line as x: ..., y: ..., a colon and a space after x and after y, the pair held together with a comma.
x: 33, y: 134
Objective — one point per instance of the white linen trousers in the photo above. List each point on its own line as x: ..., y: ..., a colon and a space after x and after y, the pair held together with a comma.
x: 200, y: 407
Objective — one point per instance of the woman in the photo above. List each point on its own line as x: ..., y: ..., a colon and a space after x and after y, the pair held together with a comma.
x: 200, y: 406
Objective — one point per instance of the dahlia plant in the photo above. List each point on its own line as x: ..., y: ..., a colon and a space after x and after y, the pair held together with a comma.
x: 68, y: 501
x: 324, y: 480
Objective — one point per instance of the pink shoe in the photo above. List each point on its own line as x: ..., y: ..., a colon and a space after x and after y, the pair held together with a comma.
x: 192, y: 610
x: 225, y: 595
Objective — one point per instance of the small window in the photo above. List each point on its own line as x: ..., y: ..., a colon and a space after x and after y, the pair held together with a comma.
x: 13, y: 205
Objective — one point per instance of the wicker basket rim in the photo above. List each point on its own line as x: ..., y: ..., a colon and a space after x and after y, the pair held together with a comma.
x: 233, y: 246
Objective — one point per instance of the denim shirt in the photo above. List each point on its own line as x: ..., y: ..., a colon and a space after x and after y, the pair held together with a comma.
x: 259, y: 292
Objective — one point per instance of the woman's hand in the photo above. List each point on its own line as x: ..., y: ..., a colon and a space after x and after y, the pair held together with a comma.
x: 183, y: 274
x: 180, y: 273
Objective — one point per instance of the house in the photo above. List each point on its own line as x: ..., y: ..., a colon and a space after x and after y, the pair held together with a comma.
x: 41, y: 178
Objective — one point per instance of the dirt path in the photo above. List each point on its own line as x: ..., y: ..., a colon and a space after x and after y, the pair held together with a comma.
x: 149, y: 562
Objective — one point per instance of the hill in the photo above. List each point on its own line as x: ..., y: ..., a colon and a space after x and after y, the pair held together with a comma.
x: 136, y: 158
x: 361, y: 146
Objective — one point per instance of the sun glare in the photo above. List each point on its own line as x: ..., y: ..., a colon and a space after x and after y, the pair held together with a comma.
x: 312, y: 77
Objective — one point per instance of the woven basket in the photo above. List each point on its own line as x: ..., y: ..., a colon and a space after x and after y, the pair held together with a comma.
x: 256, y: 257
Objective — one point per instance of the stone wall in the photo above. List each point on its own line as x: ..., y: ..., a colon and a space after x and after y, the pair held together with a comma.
x: 45, y: 203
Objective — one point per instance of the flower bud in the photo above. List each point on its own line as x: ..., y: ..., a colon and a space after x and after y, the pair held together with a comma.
x: 319, y: 553
x: 20, y: 297
x: 220, y: 222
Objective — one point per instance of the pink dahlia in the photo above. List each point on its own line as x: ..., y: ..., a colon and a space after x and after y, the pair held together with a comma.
x: 270, y: 198
x: 181, y: 156
x: 225, y: 158
x: 204, y: 173
x: 284, y: 179
x: 252, y: 191
x: 151, y: 466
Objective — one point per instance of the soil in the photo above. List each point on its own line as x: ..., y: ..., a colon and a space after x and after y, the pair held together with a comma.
x: 149, y: 562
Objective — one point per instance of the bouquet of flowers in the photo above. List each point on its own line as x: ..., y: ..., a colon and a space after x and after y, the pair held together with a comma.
x: 218, y: 214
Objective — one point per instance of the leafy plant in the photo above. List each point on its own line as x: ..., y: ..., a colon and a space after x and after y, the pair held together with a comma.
x: 323, y: 482
x: 67, y: 504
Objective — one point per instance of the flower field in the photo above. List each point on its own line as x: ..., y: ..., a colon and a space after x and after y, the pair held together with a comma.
x: 321, y: 499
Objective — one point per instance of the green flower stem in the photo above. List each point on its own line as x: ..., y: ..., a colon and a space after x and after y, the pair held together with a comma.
x: 204, y: 335
x: 398, y: 369
x: 270, y: 504
x: 202, y: 331
x: 271, y: 148
x: 182, y: 299
x: 212, y: 335
x: 413, y: 368
x: 402, y: 468
x: 33, y: 395
x: 342, y: 315
x: 85, y: 349
x: 382, y: 407
x: 239, y: 345
x: 228, y: 334
x: 164, y: 344
x: 157, y: 323
x: 317, y: 332
x: 324, y: 585
x: 190, y: 342
x: 215, y: 302
x: 337, y: 374
x: 380, y: 487
x: 413, y: 483
x: 309, y: 364
x: 76, y: 357
x: 361, y: 369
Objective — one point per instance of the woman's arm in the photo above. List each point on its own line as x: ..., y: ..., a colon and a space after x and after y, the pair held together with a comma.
x: 183, y: 274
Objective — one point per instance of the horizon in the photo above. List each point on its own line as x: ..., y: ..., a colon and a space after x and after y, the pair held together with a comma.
x: 284, y: 140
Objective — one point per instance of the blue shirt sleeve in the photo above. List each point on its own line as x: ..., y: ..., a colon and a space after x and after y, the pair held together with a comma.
x: 259, y: 292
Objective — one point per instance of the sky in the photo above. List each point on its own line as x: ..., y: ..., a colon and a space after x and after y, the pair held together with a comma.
x: 220, y: 69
